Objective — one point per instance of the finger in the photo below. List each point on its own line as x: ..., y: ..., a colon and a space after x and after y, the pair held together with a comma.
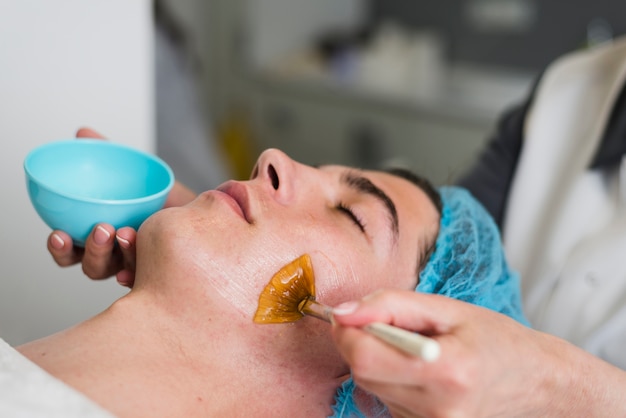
x: 410, y: 396
x: 424, y: 313
x: 63, y: 251
x: 415, y: 401
x: 88, y: 133
x: 101, y: 259
x: 368, y: 403
x: 412, y: 409
x: 126, y: 278
x: 126, y: 238
x: 371, y: 359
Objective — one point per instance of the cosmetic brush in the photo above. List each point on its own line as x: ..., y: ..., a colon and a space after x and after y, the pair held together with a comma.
x: 290, y: 295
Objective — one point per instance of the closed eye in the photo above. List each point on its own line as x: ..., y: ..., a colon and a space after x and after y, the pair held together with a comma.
x: 350, y: 214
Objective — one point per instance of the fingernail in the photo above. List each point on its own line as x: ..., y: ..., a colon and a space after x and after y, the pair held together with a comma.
x: 345, y: 308
x: 101, y: 236
x: 57, y: 242
x: 123, y: 242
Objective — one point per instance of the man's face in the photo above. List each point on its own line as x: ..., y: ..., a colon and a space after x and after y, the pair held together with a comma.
x: 364, y: 230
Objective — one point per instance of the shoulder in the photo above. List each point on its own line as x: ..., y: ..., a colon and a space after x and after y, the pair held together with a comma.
x: 26, y: 390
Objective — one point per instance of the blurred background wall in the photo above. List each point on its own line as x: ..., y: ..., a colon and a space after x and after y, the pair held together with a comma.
x: 207, y: 84
x: 63, y: 65
x: 525, y: 34
x: 379, y: 82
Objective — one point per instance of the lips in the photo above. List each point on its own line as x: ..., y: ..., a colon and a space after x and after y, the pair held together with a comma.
x: 237, y: 196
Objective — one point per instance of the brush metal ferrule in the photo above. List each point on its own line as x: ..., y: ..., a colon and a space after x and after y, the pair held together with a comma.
x: 310, y: 307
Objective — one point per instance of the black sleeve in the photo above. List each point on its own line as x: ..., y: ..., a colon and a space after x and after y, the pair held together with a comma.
x: 490, y: 176
x: 613, y: 145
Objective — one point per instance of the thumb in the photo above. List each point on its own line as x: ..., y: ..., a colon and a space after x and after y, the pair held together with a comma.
x: 85, y: 132
x: 425, y: 313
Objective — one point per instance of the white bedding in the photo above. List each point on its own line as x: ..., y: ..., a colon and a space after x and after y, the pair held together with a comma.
x: 26, y: 390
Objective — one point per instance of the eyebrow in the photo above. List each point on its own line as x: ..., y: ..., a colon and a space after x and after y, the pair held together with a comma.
x: 363, y: 185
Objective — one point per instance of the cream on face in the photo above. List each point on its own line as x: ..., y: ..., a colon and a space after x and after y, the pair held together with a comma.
x: 243, y: 292
x: 241, y: 285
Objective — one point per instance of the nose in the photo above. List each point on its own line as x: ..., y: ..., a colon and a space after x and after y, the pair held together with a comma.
x: 278, y: 172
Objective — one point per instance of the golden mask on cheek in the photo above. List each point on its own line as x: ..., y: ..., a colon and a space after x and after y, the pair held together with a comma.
x: 291, y: 294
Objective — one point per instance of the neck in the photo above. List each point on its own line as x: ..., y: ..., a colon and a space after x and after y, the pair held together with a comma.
x: 193, y: 361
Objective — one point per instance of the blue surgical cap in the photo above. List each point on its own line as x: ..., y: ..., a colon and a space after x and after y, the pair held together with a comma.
x: 468, y: 264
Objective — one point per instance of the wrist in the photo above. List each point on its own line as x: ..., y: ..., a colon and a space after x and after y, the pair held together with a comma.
x: 580, y: 383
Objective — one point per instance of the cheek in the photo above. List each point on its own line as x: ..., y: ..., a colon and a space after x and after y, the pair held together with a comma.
x: 338, y: 276
x: 345, y: 267
x: 239, y: 277
x: 351, y: 275
x: 349, y: 278
x: 333, y: 250
x: 238, y: 267
x: 235, y: 262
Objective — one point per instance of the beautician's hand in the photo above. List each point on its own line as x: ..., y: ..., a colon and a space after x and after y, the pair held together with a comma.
x: 490, y: 365
x: 101, y: 258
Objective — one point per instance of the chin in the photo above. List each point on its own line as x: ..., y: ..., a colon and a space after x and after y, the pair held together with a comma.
x: 165, y: 232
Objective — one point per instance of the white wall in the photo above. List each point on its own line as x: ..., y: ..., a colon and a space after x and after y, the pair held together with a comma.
x: 63, y: 64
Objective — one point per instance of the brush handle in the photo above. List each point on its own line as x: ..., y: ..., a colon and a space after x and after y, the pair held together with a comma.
x: 407, y: 341
x: 320, y: 311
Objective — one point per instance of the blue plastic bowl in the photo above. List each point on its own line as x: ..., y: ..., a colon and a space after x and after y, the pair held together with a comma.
x: 75, y: 184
